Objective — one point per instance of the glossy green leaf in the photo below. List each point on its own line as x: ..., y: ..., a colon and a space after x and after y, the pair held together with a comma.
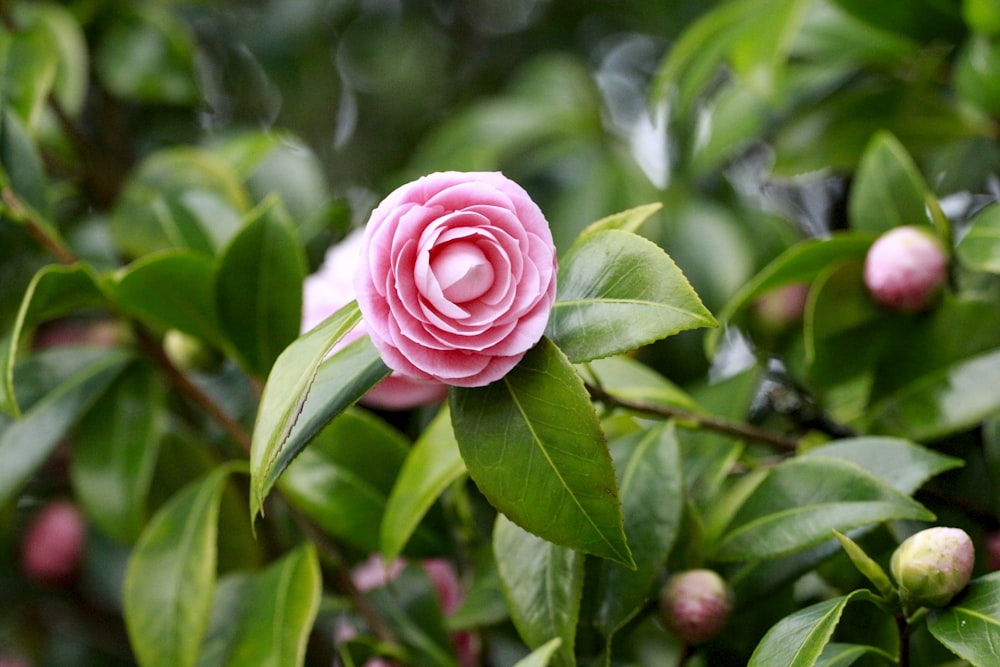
x: 69, y: 45
x: 979, y: 248
x: 541, y: 656
x: 626, y: 221
x: 283, y: 426
x: 970, y: 625
x: 867, y: 566
x: 543, y: 584
x: 532, y: 443
x: 342, y: 480
x: 55, y: 290
x: 26, y: 443
x: 802, y: 500
x: 179, y: 198
x: 800, y: 263
x: 618, y: 291
x: 652, y: 492
x: 799, y: 639
x: 845, y: 655
x: 268, y: 616
x: 431, y: 466
x: 114, y: 453
x: 170, y: 290
x: 624, y: 377
x: 258, y: 287
x: 170, y: 580
x: 902, y: 464
x: 888, y: 190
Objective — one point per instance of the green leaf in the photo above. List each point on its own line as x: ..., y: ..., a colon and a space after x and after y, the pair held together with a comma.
x: 798, y: 640
x: 624, y: 377
x: 432, y: 465
x: 170, y: 290
x: 802, y: 500
x: 904, y: 465
x: 258, y: 287
x: 970, y: 626
x: 55, y: 290
x: 342, y: 480
x: 532, y: 443
x: 543, y: 584
x: 114, y: 453
x: 541, y: 656
x: 979, y: 248
x: 888, y: 190
x: 30, y: 74
x: 69, y: 45
x: 867, y: 566
x: 23, y: 171
x: 26, y: 443
x: 267, y: 617
x: 845, y: 655
x: 284, y: 425
x: 802, y: 262
x: 626, y: 221
x: 618, y: 291
x: 170, y: 579
x: 652, y: 493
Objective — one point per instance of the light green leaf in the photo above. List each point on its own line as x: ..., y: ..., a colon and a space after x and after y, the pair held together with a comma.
x: 888, y: 190
x: 541, y: 656
x: 618, y: 291
x: 845, y: 655
x: 867, y: 566
x: 802, y: 500
x: 170, y: 290
x: 55, y: 290
x: 30, y: 73
x: 543, y: 584
x: 979, y: 248
x: 267, y: 617
x: 970, y: 626
x: 258, y: 287
x: 532, y: 443
x: 284, y: 426
x: 27, y: 443
x: 624, y: 377
x: 432, y: 465
x: 652, y: 493
x: 114, y: 453
x: 798, y: 640
x: 626, y: 221
x: 170, y: 579
x: 69, y: 45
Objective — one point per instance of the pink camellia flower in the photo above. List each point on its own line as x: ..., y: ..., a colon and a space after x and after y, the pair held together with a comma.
x: 458, y: 277
x: 52, y: 547
x: 331, y: 288
x: 905, y: 268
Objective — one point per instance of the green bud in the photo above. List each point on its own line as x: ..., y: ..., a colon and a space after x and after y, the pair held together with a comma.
x: 695, y: 605
x: 190, y: 353
x: 932, y: 566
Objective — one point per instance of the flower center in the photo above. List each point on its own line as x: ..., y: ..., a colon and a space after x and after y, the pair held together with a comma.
x: 462, y: 271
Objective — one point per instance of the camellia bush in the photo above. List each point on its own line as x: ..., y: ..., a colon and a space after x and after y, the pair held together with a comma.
x: 612, y: 334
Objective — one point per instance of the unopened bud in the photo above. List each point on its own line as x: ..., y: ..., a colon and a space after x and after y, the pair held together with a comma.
x: 696, y: 605
x: 190, y: 353
x: 52, y: 547
x: 932, y: 566
x: 905, y: 269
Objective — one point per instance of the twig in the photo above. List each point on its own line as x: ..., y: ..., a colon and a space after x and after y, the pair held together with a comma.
x: 711, y: 422
x: 35, y: 226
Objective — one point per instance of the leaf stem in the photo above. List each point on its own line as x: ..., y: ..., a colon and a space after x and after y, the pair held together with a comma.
x: 903, y: 626
x: 710, y: 422
x: 36, y: 228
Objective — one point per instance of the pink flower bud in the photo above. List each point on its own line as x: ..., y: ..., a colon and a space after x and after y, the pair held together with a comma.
x: 781, y: 307
x: 52, y: 547
x: 696, y: 605
x: 905, y: 269
x: 932, y: 566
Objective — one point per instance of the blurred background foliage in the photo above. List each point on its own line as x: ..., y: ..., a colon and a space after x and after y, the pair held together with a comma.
x: 136, y: 126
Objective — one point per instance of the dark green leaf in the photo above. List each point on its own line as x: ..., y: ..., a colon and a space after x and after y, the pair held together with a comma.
x: 431, y: 466
x: 802, y: 500
x: 533, y: 445
x: 170, y: 290
x: 543, y: 584
x: 979, y: 248
x: 970, y: 626
x: 618, y: 291
x: 258, y: 287
x: 170, y: 580
x: 55, y: 290
x: 285, y: 420
x: 115, y: 450
x: 270, y: 615
x: 23, y: 171
x: 652, y: 493
x: 28, y: 442
x: 798, y: 640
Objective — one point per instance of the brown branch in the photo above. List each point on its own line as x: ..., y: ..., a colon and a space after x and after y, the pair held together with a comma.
x: 710, y: 422
x: 36, y: 227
